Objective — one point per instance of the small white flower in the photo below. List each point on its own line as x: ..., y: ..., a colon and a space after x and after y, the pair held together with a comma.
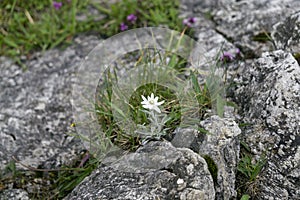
x: 151, y: 103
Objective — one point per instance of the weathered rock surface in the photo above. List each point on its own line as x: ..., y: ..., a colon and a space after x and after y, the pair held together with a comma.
x: 35, y: 111
x: 222, y: 146
x: 155, y: 171
x: 14, y: 194
x: 244, y: 23
x: 269, y: 96
x: 168, y: 164
x: 286, y: 34
x: 35, y: 108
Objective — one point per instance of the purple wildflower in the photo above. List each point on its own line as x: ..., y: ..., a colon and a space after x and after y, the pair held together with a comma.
x: 189, y: 21
x: 57, y: 5
x: 227, y: 56
x: 123, y: 26
x: 131, y: 18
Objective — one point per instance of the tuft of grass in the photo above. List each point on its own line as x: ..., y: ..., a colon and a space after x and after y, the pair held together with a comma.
x: 149, y: 13
x: 202, y: 95
x: 67, y: 180
x: 248, y: 172
x: 28, y: 26
x: 262, y: 37
x: 47, y: 183
x: 36, y: 25
x: 174, y: 67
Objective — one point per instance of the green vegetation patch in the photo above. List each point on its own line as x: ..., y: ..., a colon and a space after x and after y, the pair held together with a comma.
x: 248, y: 172
x: 28, y: 26
x: 212, y: 167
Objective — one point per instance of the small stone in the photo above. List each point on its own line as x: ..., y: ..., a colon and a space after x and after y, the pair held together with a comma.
x: 2, y: 117
x: 40, y: 106
x: 180, y: 181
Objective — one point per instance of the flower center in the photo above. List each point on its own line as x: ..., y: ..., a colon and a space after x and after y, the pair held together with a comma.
x: 151, y: 102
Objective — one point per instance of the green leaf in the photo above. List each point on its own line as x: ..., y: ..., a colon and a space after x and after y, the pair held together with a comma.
x: 10, y: 42
x: 220, y: 105
x: 245, y: 197
x: 257, y: 168
x: 245, y: 146
x: 195, y: 83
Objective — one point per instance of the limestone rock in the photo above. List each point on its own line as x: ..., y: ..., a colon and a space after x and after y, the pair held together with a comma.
x: 35, y: 109
x: 286, y: 33
x: 269, y: 96
x: 14, y: 194
x: 222, y: 146
x: 244, y: 23
x: 155, y: 171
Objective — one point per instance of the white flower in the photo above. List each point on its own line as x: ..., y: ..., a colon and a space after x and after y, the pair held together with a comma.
x: 151, y: 103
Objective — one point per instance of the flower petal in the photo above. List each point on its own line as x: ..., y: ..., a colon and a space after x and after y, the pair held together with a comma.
x: 159, y: 103
x: 156, y: 109
x: 144, y: 98
x: 152, y: 96
x: 146, y: 106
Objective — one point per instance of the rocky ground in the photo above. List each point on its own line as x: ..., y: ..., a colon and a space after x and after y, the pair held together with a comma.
x: 36, y: 113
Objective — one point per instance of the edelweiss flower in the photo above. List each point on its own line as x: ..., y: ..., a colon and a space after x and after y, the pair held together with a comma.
x: 151, y: 103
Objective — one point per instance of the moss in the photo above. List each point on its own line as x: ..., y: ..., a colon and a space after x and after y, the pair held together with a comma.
x: 212, y: 167
x: 208, y: 15
x: 262, y: 37
x: 297, y: 57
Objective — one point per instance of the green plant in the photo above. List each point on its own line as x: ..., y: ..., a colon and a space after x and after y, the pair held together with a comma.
x: 297, y: 57
x: 27, y: 26
x: 128, y: 126
x: 171, y: 107
x: 245, y: 197
x: 248, y: 172
x: 48, y: 183
x: 148, y: 13
x: 212, y: 167
x: 248, y: 169
x: 262, y: 37
x: 36, y: 25
x: 67, y: 180
x: 202, y: 95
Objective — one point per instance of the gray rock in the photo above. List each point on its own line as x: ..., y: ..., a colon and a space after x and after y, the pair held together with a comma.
x: 35, y: 109
x: 269, y: 96
x: 14, y: 194
x: 173, y: 165
x: 286, y: 34
x: 240, y: 21
x: 222, y: 146
x: 186, y: 138
x: 156, y: 171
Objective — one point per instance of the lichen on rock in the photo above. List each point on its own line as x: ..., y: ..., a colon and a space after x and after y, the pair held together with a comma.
x: 269, y: 96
